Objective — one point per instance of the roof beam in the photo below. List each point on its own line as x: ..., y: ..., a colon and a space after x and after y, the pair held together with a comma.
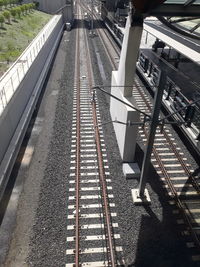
x: 195, y: 27
x: 189, y: 2
x: 171, y: 10
x: 182, y: 19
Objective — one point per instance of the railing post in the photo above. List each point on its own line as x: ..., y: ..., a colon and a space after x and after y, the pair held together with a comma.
x: 12, y: 83
x: 4, y: 95
x: 31, y: 57
x: 18, y: 75
x: 27, y: 61
x: 23, y: 68
x: 1, y: 96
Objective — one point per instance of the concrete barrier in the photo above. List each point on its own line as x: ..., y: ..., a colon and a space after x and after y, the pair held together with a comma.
x: 17, y: 114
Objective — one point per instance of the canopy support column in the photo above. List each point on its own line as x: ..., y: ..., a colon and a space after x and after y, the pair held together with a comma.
x: 122, y: 86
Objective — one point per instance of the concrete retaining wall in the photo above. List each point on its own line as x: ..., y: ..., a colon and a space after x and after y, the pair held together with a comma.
x: 51, y: 6
x: 17, y: 114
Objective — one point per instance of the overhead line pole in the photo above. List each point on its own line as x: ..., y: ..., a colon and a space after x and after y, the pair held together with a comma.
x: 151, y: 137
x: 92, y: 19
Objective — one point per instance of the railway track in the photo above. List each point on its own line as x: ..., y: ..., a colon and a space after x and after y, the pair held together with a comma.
x: 92, y: 229
x: 176, y: 174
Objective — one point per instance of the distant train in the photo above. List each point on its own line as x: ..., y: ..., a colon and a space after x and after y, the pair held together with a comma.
x: 174, y: 98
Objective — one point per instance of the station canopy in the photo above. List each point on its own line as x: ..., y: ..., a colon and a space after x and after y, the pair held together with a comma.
x: 177, y: 8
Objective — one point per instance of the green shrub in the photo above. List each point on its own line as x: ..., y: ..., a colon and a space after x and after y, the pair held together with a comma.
x: 22, y: 9
x: 1, y: 4
x: 36, y: 3
x: 2, y: 20
x: 26, y: 8
x: 5, y: 3
x: 18, y: 11
x: 13, y: 12
x: 7, y: 15
x: 31, y: 6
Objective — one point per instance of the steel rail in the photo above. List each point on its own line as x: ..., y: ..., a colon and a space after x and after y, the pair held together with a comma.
x: 113, y: 63
x: 104, y: 190
x: 167, y: 176
x: 103, y: 39
x: 175, y: 195
x: 107, y: 216
x: 184, y: 166
x: 77, y: 172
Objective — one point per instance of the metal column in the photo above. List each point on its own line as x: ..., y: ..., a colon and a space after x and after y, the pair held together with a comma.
x: 154, y: 124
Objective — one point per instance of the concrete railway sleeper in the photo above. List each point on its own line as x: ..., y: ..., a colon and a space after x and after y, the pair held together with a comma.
x: 92, y: 231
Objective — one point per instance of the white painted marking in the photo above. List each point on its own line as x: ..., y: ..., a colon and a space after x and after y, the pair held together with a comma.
x: 90, y: 206
x: 90, y: 264
x: 176, y: 178
x: 86, y: 168
x: 172, y: 171
x: 191, y: 193
x: 159, y: 144
x: 95, y: 188
x: 179, y: 185
x: 169, y: 154
x: 168, y: 165
x: 86, y: 132
x: 89, y: 216
x: 91, y: 145
x: 88, y: 140
x: 92, y: 161
x: 167, y: 159
x: 88, y: 174
x: 97, y: 226
x: 162, y: 149
x: 92, y: 237
x: 92, y: 250
x: 91, y: 197
x: 86, y: 124
x: 193, y: 211
x: 92, y: 155
x: 89, y: 181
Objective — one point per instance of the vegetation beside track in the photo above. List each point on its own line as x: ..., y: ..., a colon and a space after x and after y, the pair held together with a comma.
x: 16, y: 36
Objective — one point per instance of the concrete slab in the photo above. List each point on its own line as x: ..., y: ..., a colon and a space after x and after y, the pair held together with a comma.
x: 138, y: 200
x: 131, y: 170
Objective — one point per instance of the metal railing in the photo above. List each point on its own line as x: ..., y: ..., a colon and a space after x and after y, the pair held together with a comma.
x: 11, y: 80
